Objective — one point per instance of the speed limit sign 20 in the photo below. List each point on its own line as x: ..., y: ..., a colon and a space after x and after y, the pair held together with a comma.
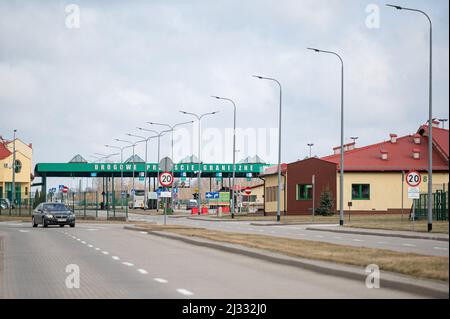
x: 166, y: 179
x: 413, y: 178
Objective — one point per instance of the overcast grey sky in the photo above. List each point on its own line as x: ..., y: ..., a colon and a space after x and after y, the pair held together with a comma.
x: 71, y: 90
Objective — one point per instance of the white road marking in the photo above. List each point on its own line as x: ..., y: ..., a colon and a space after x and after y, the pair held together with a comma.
x: 97, y: 248
x: 261, y: 230
x: 358, y: 240
x: 128, y: 264
x: 143, y: 271
x: 105, y: 253
x: 160, y: 280
x: 90, y: 246
x: 440, y: 248
x: 184, y: 292
x: 78, y: 239
x: 143, y: 232
x: 409, y: 245
x: 23, y: 231
x: 337, y: 237
x: 74, y: 237
x: 83, y: 242
x: 381, y: 242
x: 115, y: 257
x: 319, y: 236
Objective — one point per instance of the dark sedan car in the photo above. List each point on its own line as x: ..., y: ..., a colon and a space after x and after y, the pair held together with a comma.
x: 53, y: 214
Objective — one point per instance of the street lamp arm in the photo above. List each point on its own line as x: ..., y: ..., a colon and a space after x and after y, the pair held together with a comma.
x: 189, y: 113
x: 411, y: 9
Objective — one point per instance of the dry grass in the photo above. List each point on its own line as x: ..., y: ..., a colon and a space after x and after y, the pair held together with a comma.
x: 372, y: 221
x: 5, y: 218
x: 430, y: 267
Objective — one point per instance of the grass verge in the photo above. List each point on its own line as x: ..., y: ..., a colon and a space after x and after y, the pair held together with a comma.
x: 421, y: 266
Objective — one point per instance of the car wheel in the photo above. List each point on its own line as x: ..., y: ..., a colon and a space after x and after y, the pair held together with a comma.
x: 61, y: 225
x: 33, y: 222
x: 44, y: 223
x: 72, y: 225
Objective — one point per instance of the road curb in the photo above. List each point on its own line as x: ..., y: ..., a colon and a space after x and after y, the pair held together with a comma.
x: 393, y: 281
x: 369, y: 233
x: 284, y: 224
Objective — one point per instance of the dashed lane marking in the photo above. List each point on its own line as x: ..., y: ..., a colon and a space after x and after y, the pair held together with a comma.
x: 184, y: 292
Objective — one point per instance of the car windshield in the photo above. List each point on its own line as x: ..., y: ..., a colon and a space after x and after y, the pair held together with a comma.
x: 55, y: 207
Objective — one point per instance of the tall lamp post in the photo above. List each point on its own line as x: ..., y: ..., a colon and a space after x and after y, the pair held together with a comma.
x: 171, y: 129
x: 430, y: 116
x: 199, y: 118
x: 341, y: 175
x: 133, y: 145
x: 233, y: 204
x: 158, y: 135
x: 121, y: 166
x: 310, y: 145
x: 146, y: 139
x: 443, y: 122
x: 13, y: 193
x: 279, y: 141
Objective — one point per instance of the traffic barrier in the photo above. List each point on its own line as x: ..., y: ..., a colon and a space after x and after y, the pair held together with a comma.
x: 225, y: 209
x: 204, y: 210
x: 194, y: 211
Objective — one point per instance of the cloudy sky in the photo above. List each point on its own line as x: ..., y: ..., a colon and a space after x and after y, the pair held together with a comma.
x: 71, y: 90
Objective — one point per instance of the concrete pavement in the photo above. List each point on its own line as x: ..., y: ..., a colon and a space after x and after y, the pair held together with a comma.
x: 116, y: 263
x: 410, y: 245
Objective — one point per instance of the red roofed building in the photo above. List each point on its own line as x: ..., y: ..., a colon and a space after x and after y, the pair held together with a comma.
x: 373, y: 174
x: 24, y: 153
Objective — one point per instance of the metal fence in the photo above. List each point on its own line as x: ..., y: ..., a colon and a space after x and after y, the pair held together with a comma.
x: 85, y: 205
x: 439, y: 202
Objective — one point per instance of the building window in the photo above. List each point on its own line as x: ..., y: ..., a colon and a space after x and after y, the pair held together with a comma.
x: 18, y: 166
x: 360, y: 191
x: 304, y: 191
x: 26, y: 191
x: 271, y: 194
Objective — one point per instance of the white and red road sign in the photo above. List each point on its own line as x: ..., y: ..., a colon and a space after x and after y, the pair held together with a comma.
x: 413, y: 178
x: 166, y: 179
x: 65, y: 189
x: 248, y: 190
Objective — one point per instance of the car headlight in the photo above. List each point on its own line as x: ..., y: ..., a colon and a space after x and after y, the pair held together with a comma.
x: 49, y: 216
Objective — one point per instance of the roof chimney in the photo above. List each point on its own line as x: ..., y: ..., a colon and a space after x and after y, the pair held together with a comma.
x: 417, y: 138
x: 435, y: 123
x: 384, y: 154
x: 416, y: 153
x: 393, y: 138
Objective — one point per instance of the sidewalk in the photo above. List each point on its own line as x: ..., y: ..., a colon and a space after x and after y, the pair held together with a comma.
x: 381, y: 232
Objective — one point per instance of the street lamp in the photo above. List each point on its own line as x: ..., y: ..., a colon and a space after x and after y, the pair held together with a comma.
x: 341, y: 175
x: 199, y: 118
x: 234, y: 150
x: 158, y: 135
x: 279, y: 142
x: 146, y: 139
x: 131, y: 144
x: 310, y: 145
x: 430, y: 116
x: 121, y: 167
x: 13, y: 195
x: 171, y: 129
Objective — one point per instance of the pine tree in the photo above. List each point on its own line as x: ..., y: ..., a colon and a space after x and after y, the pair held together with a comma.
x: 36, y: 198
x: 326, y: 204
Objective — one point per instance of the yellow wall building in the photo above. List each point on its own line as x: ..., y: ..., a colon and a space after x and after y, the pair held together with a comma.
x: 24, y: 157
x: 270, y: 178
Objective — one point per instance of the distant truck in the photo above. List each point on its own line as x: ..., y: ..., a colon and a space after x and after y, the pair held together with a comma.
x: 137, y: 200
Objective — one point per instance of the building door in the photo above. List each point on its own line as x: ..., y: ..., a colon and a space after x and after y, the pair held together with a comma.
x: 1, y: 191
x: 18, y: 196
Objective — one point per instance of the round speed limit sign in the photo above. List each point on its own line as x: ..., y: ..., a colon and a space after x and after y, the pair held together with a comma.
x: 166, y: 179
x: 413, y: 178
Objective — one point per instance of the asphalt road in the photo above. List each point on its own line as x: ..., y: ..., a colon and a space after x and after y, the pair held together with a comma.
x: 117, y: 263
x: 420, y: 246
